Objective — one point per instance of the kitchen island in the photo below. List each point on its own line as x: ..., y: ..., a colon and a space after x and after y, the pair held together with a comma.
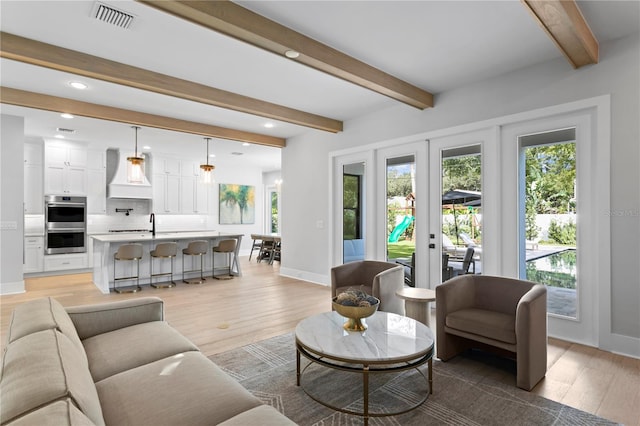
x: 106, y: 245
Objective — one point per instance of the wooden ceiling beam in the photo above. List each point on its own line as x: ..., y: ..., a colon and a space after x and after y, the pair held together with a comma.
x: 41, y: 101
x: 235, y: 21
x: 46, y: 55
x: 564, y: 23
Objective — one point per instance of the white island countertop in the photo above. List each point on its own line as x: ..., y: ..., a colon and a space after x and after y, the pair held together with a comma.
x: 120, y: 237
x: 105, y: 245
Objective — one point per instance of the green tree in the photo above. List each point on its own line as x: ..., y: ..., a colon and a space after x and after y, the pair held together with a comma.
x: 553, y: 169
x: 398, y: 184
x: 462, y: 173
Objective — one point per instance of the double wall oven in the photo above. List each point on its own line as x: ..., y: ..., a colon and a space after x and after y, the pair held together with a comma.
x: 65, y: 219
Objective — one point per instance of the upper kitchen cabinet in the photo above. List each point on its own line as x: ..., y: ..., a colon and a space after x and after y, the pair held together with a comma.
x: 193, y: 192
x: 166, y: 165
x: 33, y: 178
x: 97, y: 182
x: 65, y: 168
x: 166, y: 185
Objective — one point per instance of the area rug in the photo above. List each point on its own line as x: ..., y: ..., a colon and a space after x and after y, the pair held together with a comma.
x: 464, y: 391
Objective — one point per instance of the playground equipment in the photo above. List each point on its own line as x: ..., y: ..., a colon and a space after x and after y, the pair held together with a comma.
x: 400, y: 228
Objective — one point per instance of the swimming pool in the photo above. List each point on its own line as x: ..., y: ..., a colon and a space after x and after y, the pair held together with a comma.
x: 555, y: 269
x: 558, y: 272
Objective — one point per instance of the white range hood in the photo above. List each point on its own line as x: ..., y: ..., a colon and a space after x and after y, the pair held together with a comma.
x: 120, y: 187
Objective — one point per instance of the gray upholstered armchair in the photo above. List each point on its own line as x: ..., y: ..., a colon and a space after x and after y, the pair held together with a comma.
x: 510, y: 314
x: 379, y: 279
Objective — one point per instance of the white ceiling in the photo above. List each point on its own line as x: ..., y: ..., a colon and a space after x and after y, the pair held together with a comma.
x: 435, y: 45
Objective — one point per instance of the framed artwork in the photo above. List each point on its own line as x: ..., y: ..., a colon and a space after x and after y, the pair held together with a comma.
x: 237, y: 204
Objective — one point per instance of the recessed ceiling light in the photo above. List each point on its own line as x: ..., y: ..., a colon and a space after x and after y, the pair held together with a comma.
x: 268, y: 125
x: 66, y: 115
x: 246, y: 144
x: 78, y: 85
x: 212, y: 155
x: 291, y: 54
x: 59, y: 136
x: 146, y: 147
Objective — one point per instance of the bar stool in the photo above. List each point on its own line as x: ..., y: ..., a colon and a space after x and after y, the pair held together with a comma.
x: 127, y: 252
x: 167, y: 251
x: 224, y: 246
x: 195, y: 248
x: 256, y: 244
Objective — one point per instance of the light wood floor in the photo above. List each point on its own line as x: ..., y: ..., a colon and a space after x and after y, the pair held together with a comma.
x: 222, y: 315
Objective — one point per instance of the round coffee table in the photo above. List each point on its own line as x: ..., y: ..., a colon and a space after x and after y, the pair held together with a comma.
x: 416, y: 303
x: 391, y: 343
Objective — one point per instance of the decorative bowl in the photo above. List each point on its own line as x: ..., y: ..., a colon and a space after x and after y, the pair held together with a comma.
x: 354, y: 314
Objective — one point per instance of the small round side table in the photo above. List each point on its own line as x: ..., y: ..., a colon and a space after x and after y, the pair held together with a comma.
x: 416, y: 303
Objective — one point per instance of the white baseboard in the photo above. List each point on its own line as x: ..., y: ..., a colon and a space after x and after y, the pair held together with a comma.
x: 305, y: 276
x: 12, y: 288
x: 625, y: 345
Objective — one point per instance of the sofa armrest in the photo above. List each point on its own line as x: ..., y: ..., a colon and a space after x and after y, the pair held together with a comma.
x: 91, y: 320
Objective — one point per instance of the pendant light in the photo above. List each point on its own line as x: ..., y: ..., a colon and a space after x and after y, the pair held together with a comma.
x: 207, y: 169
x: 135, y: 164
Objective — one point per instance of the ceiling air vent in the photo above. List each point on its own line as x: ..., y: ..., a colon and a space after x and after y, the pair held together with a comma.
x: 63, y: 130
x: 112, y: 16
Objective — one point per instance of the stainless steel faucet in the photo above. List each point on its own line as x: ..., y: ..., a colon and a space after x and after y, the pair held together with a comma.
x: 152, y: 219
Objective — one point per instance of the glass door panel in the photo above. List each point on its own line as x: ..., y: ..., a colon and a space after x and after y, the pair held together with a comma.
x: 548, y: 218
x: 461, y: 210
x: 352, y: 212
x: 401, y: 213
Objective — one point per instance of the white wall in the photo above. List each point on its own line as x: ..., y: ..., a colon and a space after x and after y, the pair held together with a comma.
x: 305, y: 165
x: 11, y: 204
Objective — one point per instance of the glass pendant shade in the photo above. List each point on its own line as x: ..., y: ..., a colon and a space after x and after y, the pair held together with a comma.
x: 135, y: 164
x: 207, y: 169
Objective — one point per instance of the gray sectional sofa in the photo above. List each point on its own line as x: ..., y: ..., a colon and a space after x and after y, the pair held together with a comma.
x: 116, y: 363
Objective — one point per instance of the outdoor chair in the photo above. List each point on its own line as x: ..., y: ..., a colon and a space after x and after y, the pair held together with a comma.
x: 487, y: 312
x: 379, y: 279
x: 467, y: 263
x: 409, y: 267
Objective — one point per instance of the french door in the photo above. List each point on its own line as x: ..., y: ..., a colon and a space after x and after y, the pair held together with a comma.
x: 462, y: 206
x: 549, y: 238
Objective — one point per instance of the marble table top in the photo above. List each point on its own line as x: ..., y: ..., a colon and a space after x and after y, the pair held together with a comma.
x: 389, y: 338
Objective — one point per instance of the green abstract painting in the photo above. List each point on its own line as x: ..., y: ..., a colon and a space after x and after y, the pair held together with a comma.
x: 237, y: 204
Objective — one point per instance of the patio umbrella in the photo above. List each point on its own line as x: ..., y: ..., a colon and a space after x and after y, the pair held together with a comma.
x: 461, y: 197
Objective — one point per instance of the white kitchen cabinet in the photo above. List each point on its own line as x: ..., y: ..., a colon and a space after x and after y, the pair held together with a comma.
x: 97, y: 182
x: 33, y: 254
x: 166, y: 193
x: 63, y: 262
x: 65, y: 168
x: 166, y: 165
x: 194, y: 196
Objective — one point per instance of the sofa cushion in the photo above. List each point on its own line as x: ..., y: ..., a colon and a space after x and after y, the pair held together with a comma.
x: 184, y: 389
x: 59, y: 413
x: 264, y: 415
x: 130, y: 347
x: 44, y: 367
x: 490, y: 324
x: 42, y: 314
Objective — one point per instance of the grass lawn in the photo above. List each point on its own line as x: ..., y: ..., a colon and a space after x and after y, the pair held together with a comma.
x: 401, y: 249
